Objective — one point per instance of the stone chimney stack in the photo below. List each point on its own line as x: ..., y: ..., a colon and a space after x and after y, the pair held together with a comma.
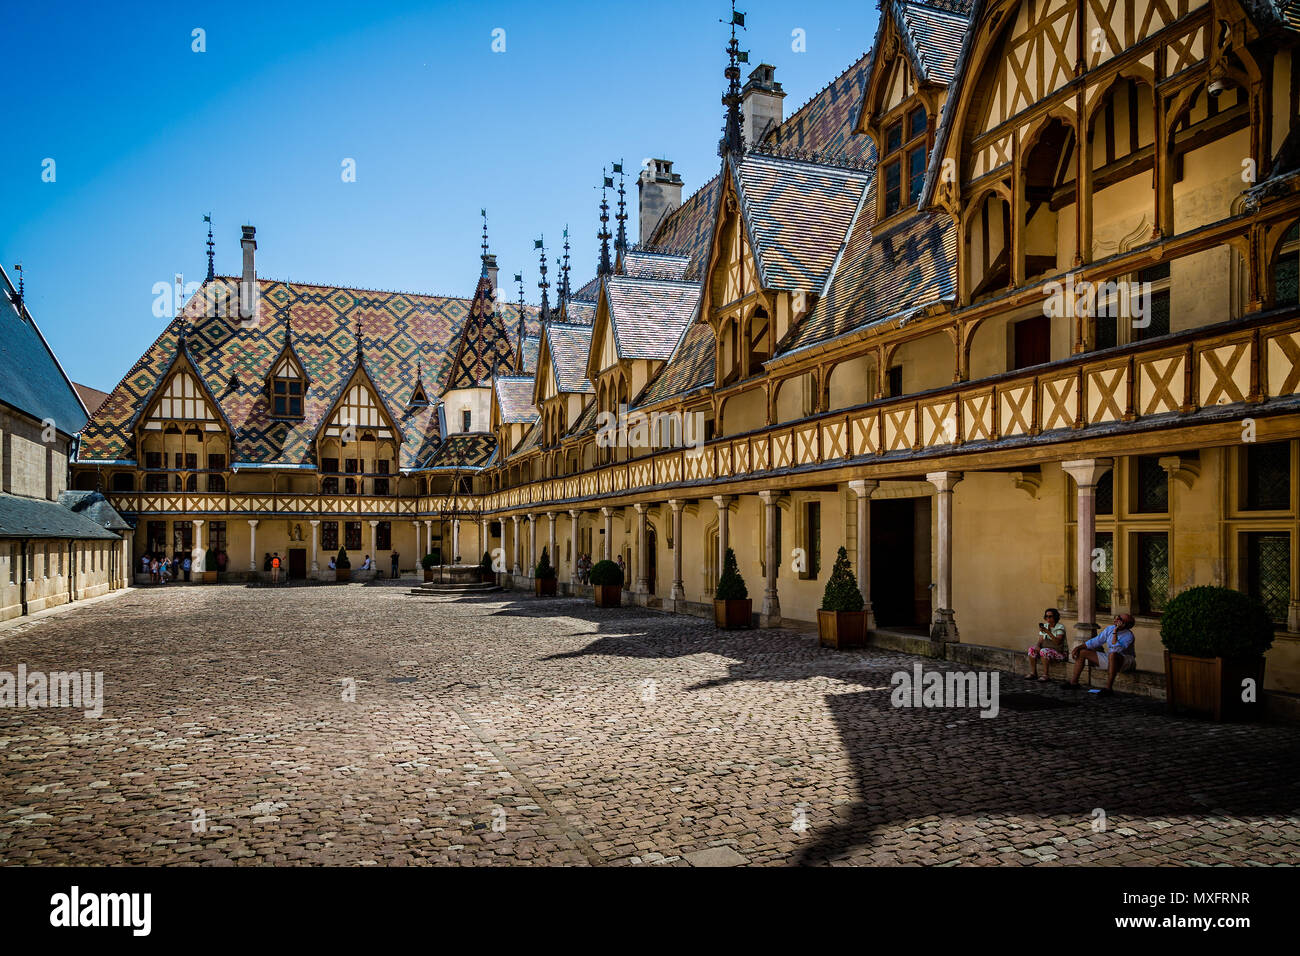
x: 760, y: 101
x: 660, y: 192
x: 248, y: 292
x: 490, y: 270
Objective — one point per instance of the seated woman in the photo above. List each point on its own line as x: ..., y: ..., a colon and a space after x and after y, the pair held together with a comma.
x: 1050, y: 646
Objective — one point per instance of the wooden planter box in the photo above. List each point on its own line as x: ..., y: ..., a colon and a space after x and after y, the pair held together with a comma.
x: 733, y: 615
x: 209, y: 577
x: 545, y: 587
x: 1211, y: 686
x: 428, y: 574
x: 841, y: 629
x: 342, y: 574
x: 608, y: 595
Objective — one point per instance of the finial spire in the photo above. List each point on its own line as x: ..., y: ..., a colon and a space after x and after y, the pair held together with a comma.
x: 620, y: 244
x: 522, y: 325
x: 211, y: 271
x: 543, y: 285
x: 732, y: 140
x: 358, y: 335
x: 19, y: 269
x: 604, y: 268
x: 564, y: 285
x: 483, y: 213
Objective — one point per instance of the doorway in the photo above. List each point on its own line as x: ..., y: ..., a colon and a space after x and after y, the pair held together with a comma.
x: 297, y: 564
x: 652, y: 547
x: 900, y: 562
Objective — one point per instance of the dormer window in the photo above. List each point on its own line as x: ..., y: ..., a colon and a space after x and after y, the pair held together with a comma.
x: 466, y: 419
x: 904, y: 161
x: 287, y: 387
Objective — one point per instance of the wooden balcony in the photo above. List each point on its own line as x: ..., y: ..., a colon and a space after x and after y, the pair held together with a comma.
x: 322, y: 506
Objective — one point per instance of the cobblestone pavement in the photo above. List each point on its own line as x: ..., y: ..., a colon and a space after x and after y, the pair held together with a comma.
x: 511, y: 730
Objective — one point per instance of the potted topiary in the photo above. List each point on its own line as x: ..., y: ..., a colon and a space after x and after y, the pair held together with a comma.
x: 427, y: 562
x: 1215, y: 639
x: 544, y: 576
x: 210, y: 567
x: 485, y: 572
x: 607, y: 583
x: 732, y: 608
x: 842, y: 622
x: 342, y: 566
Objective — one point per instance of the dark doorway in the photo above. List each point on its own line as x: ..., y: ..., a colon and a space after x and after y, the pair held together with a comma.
x: 297, y: 564
x: 899, y: 568
x: 1033, y: 343
x: 652, y: 547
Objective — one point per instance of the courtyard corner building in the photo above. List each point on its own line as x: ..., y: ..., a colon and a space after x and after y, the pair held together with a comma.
x: 1008, y: 310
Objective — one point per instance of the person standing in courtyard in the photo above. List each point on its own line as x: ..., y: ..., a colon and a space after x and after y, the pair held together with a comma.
x: 275, y: 568
x: 394, y: 565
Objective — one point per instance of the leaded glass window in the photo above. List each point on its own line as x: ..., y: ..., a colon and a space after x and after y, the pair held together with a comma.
x: 1268, y: 571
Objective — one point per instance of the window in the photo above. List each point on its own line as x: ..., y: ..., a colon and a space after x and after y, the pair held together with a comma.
x: 893, y: 188
x: 329, y: 535
x: 1268, y: 571
x: 217, y: 536
x: 812, y: 539
x: 1152, y: 571
x: 45, y: 565
x: 1152, y: 491
x: 329, y: 465
x: 1106, y: 494
x: 1033, y: 342
x: 216, y: 483
x: 216, y: 462
x: 155, y: 482
x: 329, y: 486
x: 466, y: 419
x: 1105, y: 576
x: 1286, y: 270
x: 1266, y: 484
x: 915, y: 174
x: 895, y: 381
x: 904, y: 161
x: 153, y: 459
x: 384, y: 536
x: 187, y: 461
x: 1158, y: 278
x: 352, y: 535
x: 381, y: 484
x: 287, y: 386
x: 13, y: 563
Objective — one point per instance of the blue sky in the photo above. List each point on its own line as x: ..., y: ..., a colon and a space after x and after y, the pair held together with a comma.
x: 147, y: 136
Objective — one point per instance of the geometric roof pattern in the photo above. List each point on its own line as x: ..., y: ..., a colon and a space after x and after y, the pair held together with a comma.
x: 464, y: 451
x: 648, y: 315
x: 484, y: 342
x: 515, y: 399
x: 400, y: 333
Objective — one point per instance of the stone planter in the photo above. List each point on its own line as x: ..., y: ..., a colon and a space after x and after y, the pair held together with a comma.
x: 841, y: 629
x: 608, y: 595
x: 544, y: 587
x: 1212, y: 686
x: 733, y: 615
x: 342, y: 574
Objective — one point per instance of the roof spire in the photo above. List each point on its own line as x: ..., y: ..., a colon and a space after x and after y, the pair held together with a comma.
x: 620, y: 244
x: 211, y: 272
x: 522, y: 326
x: 543, y: 285
x: 604, y: 268
x: 358, y: 335
x: 732, y: 141
x: 483, y: 213
x: 564, y: 285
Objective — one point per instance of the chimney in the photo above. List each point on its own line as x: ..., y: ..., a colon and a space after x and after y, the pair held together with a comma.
x: 660, y: 192
x: 760, y: 102
x: 490, y: 270
x: 248, y: 292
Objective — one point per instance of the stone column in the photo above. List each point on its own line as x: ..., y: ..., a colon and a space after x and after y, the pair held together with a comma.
x: 609, y: 532
x: 1086, y: 473
x: 642, y: 554
x: 679, y: 590
x: 550, y: 541
x: 864, y: 490
x: 515, y: 545
x: 723, y: 502
x: 455, y: 539
x: 483, y: 539
x: 419, y: 551
x: 198, y: 554
x: 573, y: 565
x: 770, y: 614
x: 532, y: 544
x: 428, y: 537
x: 252, y: 544
x: 374, y: 555
x: 315, y: 538
x: 944, y: 624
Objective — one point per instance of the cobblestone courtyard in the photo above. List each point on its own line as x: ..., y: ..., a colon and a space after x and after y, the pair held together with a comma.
x: 510, y: 730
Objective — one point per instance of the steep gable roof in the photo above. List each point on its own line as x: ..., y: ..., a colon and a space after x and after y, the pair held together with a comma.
x: 484, y: 346
x: 514, y: 394
x: 691, y: 367
x: 31, y: 378
x: 648, y: 315
x: 567, y: 347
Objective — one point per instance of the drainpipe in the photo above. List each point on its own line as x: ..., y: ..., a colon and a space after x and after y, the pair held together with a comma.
x: 22, y: 581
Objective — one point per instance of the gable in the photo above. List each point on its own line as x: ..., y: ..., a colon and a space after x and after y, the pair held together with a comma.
x: 182, y: 399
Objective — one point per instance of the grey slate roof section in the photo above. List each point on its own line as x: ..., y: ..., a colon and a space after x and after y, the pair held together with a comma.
x: 649, y: 315
x: 580, y: 312
x: 515, y: 399
x: 31, y: 379
x: 93, y: 505
x: 531, y: 345
x: 569, y: 345
x: 37, y: 518
x: 935, y: 37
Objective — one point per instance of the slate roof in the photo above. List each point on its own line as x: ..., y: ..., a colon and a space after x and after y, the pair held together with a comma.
x: 586, y: 421
x: 532, y: 344
x: 569, y: 345
x: 93, y: 505
x: 655, y: 265
x: 37, y: 518
x: 515, y: 399
x: 798, y: 215
x: 464, y: 452
x: 398, y: 331
x: 580, y: 311
x: 934, y: 34
x: 825, y: 123
x: 648, y: 315
x: 31, y: 378
x: 688, y: 230
x: 691, y: 367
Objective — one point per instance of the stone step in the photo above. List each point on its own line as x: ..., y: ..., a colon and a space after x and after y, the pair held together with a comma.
x: 433, y: 588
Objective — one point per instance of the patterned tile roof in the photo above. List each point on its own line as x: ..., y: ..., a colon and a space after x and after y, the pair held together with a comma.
x: 569, y: 345
x: 461, y: 452
x: 798, y: 215
x: 908, y: 268
x: 515, y: 399
x: 398, y: 330
x: 825, y: 123
x: 934, y: 36
x: 484, y: 346
x: 655, y: 265
x: 691, y: 367
x: 648, y: 315
x: 31, y: 379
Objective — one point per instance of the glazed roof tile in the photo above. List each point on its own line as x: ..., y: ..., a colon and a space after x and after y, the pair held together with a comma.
x: 515, y: 399
x: 568, y: 345
x: 649, y: 315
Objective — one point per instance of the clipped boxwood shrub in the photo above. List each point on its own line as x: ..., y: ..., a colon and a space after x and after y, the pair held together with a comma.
x: 544, y: 571
x: 842, y: 592
x: 428, y: 561
x: 485, y: 565
x: 342, y: 560
x: 731, y: 586
x: 1210, y: 621
x: 209, y: 560
x: 606, y: 574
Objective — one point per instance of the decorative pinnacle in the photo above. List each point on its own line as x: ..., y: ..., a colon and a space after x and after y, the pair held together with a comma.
x: 620, y: 244
x: 543, y: 284
x: 564, y: 285
x: 604, y: 267
x: 211, y: 271
x: 732, y: 140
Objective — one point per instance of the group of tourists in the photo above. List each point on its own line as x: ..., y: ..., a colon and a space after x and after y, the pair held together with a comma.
x: 1113, y: 650
x: 179, y: 566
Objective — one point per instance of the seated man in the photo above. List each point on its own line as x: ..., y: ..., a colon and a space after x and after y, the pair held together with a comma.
x: 1112, y: 649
